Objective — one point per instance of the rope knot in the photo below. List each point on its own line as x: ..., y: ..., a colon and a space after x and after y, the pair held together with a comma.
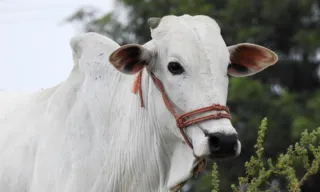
x: 180, y: 122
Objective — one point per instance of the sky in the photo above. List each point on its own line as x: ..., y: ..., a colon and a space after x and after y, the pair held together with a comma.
x: 34, y: 42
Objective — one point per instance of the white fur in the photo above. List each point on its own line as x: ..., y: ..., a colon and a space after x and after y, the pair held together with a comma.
x: 89, y: 133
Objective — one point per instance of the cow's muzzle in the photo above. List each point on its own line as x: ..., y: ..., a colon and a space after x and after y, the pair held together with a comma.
x: 223, y: 145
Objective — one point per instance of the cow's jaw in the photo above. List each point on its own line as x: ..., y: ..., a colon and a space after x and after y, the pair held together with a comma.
x: 182, y: 165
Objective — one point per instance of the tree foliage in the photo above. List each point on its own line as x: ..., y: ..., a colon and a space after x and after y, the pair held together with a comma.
x: 288, y: 93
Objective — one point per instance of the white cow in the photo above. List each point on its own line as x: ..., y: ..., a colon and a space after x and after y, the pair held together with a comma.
x: 90, y: 134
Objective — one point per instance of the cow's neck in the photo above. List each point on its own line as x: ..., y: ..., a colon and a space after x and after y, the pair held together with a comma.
x: 144, y: 153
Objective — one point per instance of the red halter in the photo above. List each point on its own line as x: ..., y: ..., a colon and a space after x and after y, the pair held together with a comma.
x: 183, y: 120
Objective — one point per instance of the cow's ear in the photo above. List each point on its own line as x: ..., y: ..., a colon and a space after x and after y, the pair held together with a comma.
x: 247, y: 59
x: 130, y: 59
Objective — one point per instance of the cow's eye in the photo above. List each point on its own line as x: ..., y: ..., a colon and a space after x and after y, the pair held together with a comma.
x: 175, y: 68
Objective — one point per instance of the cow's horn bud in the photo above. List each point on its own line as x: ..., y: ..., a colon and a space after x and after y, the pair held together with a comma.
x: 153, y: 22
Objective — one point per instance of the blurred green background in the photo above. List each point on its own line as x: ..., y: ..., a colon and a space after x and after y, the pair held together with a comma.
x: 287, y: 94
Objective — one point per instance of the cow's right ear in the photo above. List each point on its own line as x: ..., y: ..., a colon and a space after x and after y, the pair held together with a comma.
x: 130, y: 59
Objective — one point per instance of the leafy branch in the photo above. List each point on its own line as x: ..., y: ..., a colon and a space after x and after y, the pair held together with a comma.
x: 304, y: 153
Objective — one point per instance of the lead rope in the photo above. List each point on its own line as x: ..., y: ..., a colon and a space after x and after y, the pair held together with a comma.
x: 137, y: 87
x: 182, y: 121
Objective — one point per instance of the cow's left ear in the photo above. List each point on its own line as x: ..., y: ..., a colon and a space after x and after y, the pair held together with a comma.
x: 130, y: 59
x: 247, y: 59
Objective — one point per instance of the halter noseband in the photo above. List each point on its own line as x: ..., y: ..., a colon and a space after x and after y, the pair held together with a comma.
x: 183, y: 121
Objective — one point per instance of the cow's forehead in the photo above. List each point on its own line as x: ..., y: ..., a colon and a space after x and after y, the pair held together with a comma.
x: 191, y: 36
x: 185, y: 24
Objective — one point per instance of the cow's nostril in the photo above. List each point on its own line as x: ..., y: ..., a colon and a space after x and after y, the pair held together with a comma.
x: 214, y: 143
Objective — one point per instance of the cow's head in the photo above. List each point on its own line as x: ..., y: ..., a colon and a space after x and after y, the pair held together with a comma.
x: 193, y: 62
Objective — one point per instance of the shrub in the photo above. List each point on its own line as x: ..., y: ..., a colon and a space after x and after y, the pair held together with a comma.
x: 304, y: 154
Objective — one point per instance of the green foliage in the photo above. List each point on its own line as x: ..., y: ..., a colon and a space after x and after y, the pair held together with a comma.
x: 215, y: 178
x: 259, y: 170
